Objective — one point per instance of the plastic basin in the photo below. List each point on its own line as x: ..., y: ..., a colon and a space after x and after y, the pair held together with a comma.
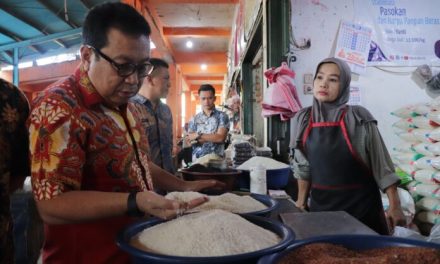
x: 267, y: 201
x: 140, y: 256
x: 228, y: 177
x: 354, y: 242
x: 276, y: 179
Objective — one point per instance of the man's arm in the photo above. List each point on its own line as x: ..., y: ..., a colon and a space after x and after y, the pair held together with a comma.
x: 168, y: 182
x: 218, y: 137
x: 79, y: 206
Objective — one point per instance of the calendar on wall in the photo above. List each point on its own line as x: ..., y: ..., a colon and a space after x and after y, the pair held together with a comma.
x: 353, y: 45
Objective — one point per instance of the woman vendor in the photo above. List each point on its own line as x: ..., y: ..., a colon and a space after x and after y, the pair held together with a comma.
x: 340, y: 159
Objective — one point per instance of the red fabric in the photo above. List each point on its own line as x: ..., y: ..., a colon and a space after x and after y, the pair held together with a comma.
x: 92, y: 242
x: 281, y: 97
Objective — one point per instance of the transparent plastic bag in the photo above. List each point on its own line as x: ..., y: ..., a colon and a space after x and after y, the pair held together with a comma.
x: 422, y: 148
x: 428, y: 176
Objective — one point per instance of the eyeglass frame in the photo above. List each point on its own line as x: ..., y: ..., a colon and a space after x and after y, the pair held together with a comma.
x: 118, y: 66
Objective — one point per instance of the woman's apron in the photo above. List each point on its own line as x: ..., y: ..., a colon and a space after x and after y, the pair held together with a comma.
x: 340, y: 181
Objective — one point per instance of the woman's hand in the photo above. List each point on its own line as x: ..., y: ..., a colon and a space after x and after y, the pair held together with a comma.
x: 395, y: 217
x: 301, y: 205
x: 159, y: 206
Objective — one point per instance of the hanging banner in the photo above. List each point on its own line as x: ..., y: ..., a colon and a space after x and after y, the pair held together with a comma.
x: 405, y: 32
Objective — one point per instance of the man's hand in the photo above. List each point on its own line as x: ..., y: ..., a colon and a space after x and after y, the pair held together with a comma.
x: 192, y: 136
x: 196, y: 186
x: 157, y: 205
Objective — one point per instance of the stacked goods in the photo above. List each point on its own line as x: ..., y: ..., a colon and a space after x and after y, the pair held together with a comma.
x: 241, y: 151
x: 418, y: 158
x: 264, y: 152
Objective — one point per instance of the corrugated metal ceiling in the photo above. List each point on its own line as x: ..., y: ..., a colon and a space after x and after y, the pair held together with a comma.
x: 33, y: 19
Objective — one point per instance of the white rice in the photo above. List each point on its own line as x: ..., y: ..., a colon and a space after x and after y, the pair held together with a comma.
x: 228, y: 201
x: 209, y: 233
x: 268, y: 163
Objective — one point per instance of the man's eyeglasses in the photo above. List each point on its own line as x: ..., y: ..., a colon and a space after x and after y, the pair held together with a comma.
x: 126, y: 69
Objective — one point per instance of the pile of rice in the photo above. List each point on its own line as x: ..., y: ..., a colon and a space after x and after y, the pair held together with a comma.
x: 206, y: 234
x: 228, y: 201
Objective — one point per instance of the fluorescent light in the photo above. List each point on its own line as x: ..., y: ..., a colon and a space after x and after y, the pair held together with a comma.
x: 152, y: 45
x: 7, y: 68
x: 21, y: 65
x: 26, y: 64
x: 189, y: 44
x: 203, y: 66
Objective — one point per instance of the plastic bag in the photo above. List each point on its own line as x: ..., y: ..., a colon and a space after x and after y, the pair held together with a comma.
x: 434, y: 236
x: 428, y: 176
x: 406, y: 147
x: 434, y: 148
x: 422, y: 148
x: 405, y: 112
x: 429, y: 204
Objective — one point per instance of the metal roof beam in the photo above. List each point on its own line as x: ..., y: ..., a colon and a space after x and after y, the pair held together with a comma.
x: 7, y: 57
x: 30, y: 23
x: 57, y: 13
x: 37, y: 40
x: 18, y: 39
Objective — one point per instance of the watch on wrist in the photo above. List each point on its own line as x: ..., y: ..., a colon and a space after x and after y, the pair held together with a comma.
x: 132, y: 207
x: 199, y: 135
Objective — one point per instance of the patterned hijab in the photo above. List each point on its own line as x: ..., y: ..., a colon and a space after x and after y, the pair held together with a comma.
x: 331, y: 111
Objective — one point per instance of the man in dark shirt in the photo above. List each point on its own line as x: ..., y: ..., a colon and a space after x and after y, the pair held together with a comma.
x: 157, y: 118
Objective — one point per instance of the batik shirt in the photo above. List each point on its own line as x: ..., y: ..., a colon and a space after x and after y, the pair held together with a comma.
x: 208, y: 125
x: 158, y: 124
x: 14, y: 157
x: 79, y: 143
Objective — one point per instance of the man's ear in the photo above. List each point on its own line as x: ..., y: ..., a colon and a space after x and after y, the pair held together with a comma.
x: 86, y: 56
x: 149, y: 79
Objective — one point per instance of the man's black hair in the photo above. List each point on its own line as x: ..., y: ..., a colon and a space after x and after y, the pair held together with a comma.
x: 207, y: 87
x: 102, y: 18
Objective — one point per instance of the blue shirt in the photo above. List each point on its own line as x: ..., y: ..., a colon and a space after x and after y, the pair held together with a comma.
x: 159, y: 127
x: 208, y: 125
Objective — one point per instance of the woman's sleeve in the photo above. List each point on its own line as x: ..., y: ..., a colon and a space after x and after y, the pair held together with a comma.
x: 301, y: 168
x: 381, y: 165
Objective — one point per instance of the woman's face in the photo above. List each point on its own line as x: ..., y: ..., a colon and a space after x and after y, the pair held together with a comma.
x: 327, y: 84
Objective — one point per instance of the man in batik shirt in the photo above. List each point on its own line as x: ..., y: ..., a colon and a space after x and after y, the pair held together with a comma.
x: 158, y: 119
x: 90, y: 171
x: 14, y: 158
x: 208, y: 129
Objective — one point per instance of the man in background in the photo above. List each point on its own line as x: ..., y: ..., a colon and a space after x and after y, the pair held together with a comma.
x: 209, y: 128
x: 158, y: 119
x: 14, y: 159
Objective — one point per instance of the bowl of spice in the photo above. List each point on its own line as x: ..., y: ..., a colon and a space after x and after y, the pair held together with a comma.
x: 214, y: 236
x: 226, y: 175
x: 356, y: 249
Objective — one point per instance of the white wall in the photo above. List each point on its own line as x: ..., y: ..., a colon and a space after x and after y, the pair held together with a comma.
x: 381, y: 91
